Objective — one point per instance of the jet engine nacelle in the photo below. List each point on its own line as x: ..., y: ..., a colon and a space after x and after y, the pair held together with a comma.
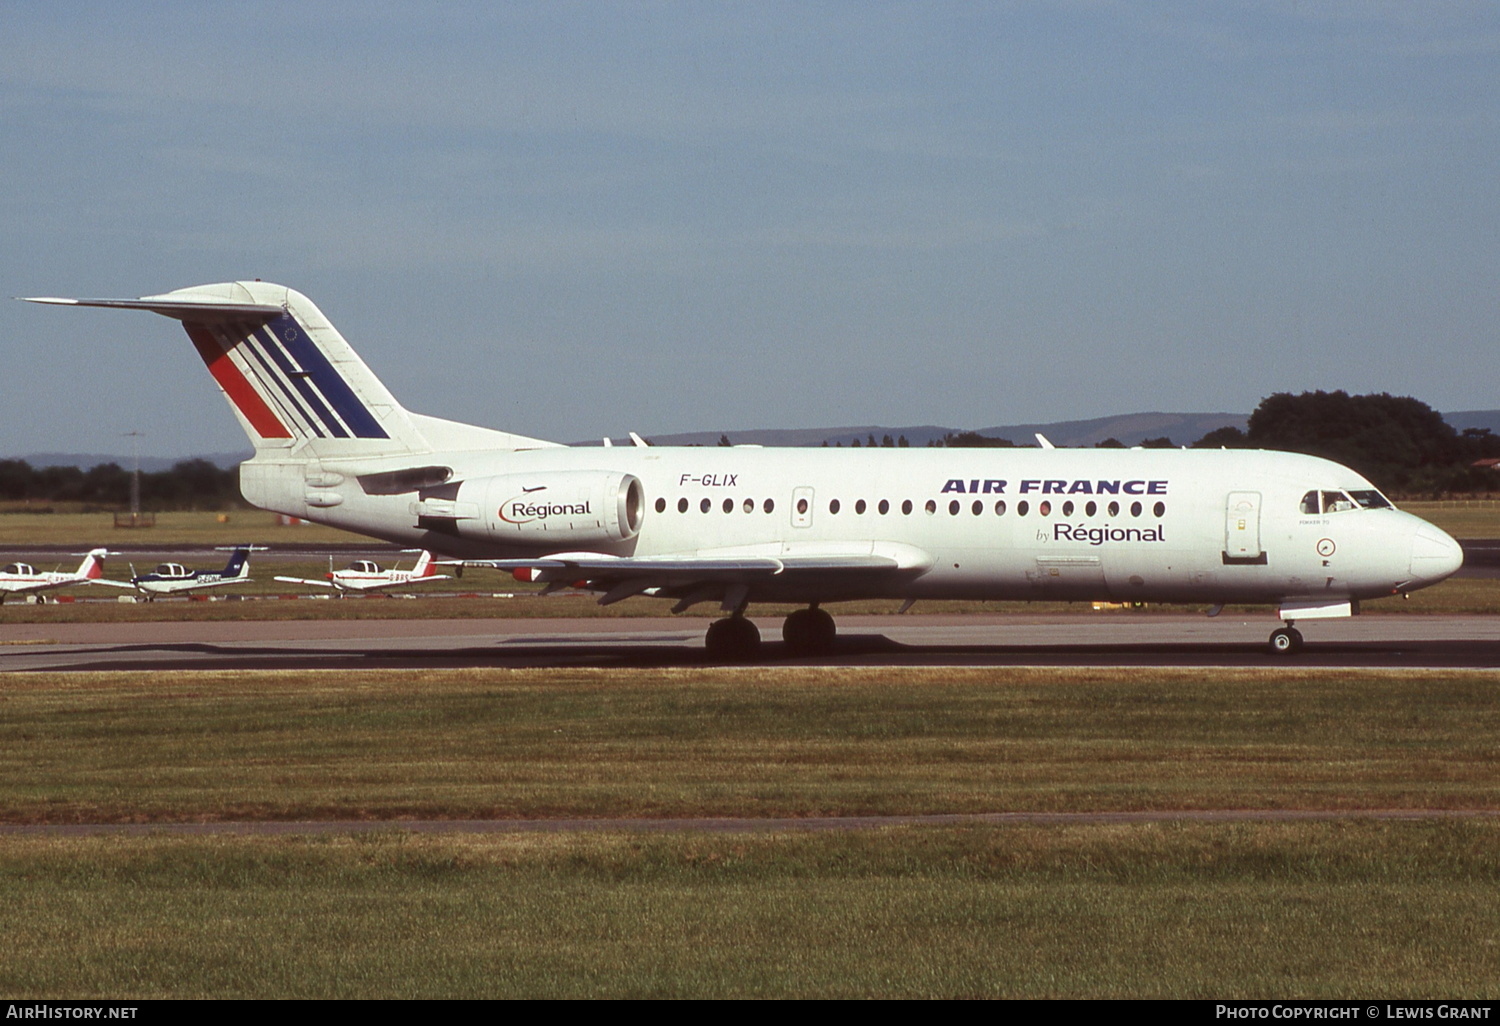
x: 559, y: 510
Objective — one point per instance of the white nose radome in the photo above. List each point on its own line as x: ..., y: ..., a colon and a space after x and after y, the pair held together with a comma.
x: 1434, y: 555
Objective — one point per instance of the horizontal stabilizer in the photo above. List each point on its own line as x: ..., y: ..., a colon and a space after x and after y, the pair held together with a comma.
x: 202, y: 310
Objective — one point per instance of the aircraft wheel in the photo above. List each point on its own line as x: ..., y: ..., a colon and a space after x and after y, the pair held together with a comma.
x: 732, y: 640
x: 1286, y: 641
x: 809, y: 632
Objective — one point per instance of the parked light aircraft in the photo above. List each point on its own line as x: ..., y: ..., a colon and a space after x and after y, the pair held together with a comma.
x: 174, y: 578
x: 363, y: 575
x: 806, y: 526
x: 20, y: 578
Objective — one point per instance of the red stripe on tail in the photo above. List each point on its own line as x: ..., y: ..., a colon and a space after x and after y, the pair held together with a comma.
x: 234, y: 384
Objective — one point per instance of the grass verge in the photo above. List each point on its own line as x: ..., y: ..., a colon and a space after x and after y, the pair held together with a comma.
x: 1355, y: 909
x: 724, y: 742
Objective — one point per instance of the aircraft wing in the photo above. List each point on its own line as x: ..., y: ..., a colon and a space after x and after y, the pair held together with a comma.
x: 304, y: 580
x: 694, y: 578
x: 113, y: 584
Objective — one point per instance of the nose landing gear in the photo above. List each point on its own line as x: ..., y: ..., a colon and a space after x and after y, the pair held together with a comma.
x: 1286, y: 640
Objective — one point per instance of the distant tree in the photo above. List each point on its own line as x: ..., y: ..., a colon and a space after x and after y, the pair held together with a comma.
x: 15, y: 480
x: 886, y: 442
x: 902, y: 443
x: 872, y: 441
x: 974, y: 440
x: 724, y: 442
x: 1226, y: 437
x: 1157, y: 443
x: 1110, y: 443
x: 854, y: 444
x: 1399, y: 443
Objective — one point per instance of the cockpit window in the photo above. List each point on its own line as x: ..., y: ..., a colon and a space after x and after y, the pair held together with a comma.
x: 1338, y: 502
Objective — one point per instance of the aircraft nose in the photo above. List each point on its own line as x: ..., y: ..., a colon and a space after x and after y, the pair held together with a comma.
x: 1434, y: 555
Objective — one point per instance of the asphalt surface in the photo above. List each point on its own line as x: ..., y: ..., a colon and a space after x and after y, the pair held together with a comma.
x: 1114, y: 638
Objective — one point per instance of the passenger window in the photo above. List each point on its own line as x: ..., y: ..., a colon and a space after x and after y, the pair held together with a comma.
x: 1022, y: 508
x: 728, y: 505
x: 1114, y: 509
x: 749, y: 505
x: 906, y: 508
x: 884, y: 507
x: 1160, y: 509
x: 661, y: 505
x: 859, y: 507
x: 1068, y: 508
x: 704, y: 505
x: 1045, y: 509
x: 833, y: 505
x: 1091, y: 508
x: 1000, y: 507
x: 682, y: 505
x: 953, y: 508
x: 770, y: 505
x: 931, y: 506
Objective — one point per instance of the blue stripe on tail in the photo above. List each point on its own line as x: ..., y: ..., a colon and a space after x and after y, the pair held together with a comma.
x: 351, y: 410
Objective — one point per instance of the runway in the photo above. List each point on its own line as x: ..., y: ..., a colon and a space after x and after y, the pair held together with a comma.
x: 1081, y: 639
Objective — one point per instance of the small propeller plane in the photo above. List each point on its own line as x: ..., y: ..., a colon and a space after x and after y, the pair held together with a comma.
x: 364, y: 575
x: 22, y: 578
x: 174, y: 578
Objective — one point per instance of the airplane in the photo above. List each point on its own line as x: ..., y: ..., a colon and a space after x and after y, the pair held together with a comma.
x: 363, y: 575
x: 741, y: 525
x: 21, y: 578
x: 174, y: 578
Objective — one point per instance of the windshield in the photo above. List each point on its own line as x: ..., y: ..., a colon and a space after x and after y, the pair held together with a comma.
x: 1371, y: 499
x: 1337, y: 502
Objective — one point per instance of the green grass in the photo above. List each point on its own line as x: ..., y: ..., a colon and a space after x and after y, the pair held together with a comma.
x: 1352, y: 909
x: 722, y: 742
x: 1462, y: 518
x: 19, y: 529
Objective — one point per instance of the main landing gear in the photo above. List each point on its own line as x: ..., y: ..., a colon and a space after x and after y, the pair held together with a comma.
x: 735, y: 639
x: 809, y: 632
x: 1286, y: 640
x: 732, y: 640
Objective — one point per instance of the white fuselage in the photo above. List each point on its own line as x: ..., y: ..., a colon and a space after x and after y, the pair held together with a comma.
x: 1189, y: 525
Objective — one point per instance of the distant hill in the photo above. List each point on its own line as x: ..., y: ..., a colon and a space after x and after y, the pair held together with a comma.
x: 1475, y: 419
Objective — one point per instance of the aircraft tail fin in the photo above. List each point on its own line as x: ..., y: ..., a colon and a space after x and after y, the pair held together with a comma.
x: 239, y: 563
x: 297, y: 387
x: 425, y: 566
x: 92, y: 566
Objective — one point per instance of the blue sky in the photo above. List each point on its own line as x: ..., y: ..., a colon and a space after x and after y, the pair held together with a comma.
x: 571, y: 219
